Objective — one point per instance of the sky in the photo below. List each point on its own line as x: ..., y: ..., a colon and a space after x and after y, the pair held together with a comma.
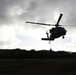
x: 16, y: 33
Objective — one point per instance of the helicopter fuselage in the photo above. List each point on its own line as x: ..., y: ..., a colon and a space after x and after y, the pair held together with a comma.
x: 57, y: 32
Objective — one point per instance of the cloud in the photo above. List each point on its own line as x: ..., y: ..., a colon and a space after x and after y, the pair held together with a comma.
x: 14, y: 32
x: 8, y: 37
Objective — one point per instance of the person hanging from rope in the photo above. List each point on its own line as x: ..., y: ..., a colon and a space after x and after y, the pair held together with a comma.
x: 48, y: 36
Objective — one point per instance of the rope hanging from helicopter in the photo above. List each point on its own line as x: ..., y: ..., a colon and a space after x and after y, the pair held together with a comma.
x: 48, y: 36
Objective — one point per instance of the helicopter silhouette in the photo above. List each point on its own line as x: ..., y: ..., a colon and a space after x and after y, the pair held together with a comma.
x: 54, y: 32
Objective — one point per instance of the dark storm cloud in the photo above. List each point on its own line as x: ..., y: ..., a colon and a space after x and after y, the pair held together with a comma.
x: 41, y: 10
x: 6, y: 6
x: 44, y: 9
x: 3, y: 10
x: 4, y: 18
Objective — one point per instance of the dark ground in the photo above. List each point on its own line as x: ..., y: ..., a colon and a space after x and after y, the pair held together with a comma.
x: 65, y: 66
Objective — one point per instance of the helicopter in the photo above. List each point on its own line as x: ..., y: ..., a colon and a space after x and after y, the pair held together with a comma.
x: 55, y: 32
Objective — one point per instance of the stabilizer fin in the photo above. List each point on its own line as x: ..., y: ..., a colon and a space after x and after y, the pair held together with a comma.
x: 47, y: 39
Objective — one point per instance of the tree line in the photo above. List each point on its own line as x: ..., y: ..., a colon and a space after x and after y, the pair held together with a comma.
x: 33, y: 54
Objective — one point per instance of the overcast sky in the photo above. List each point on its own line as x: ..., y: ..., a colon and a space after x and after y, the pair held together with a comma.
x: 15, y: 33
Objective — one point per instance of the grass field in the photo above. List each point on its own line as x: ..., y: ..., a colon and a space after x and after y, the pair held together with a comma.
x: 38, y: 66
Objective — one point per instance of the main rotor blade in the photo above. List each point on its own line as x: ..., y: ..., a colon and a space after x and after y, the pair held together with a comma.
x: 67, y: 25
x: 59, y: 19
x: 40, y: 23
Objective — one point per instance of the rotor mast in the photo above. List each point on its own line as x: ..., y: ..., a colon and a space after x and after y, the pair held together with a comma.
x: 57, y: 24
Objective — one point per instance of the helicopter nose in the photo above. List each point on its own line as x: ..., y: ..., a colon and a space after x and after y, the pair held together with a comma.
x: 65, y: 32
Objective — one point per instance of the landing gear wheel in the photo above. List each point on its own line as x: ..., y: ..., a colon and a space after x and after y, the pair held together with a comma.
x: 63, y: 37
